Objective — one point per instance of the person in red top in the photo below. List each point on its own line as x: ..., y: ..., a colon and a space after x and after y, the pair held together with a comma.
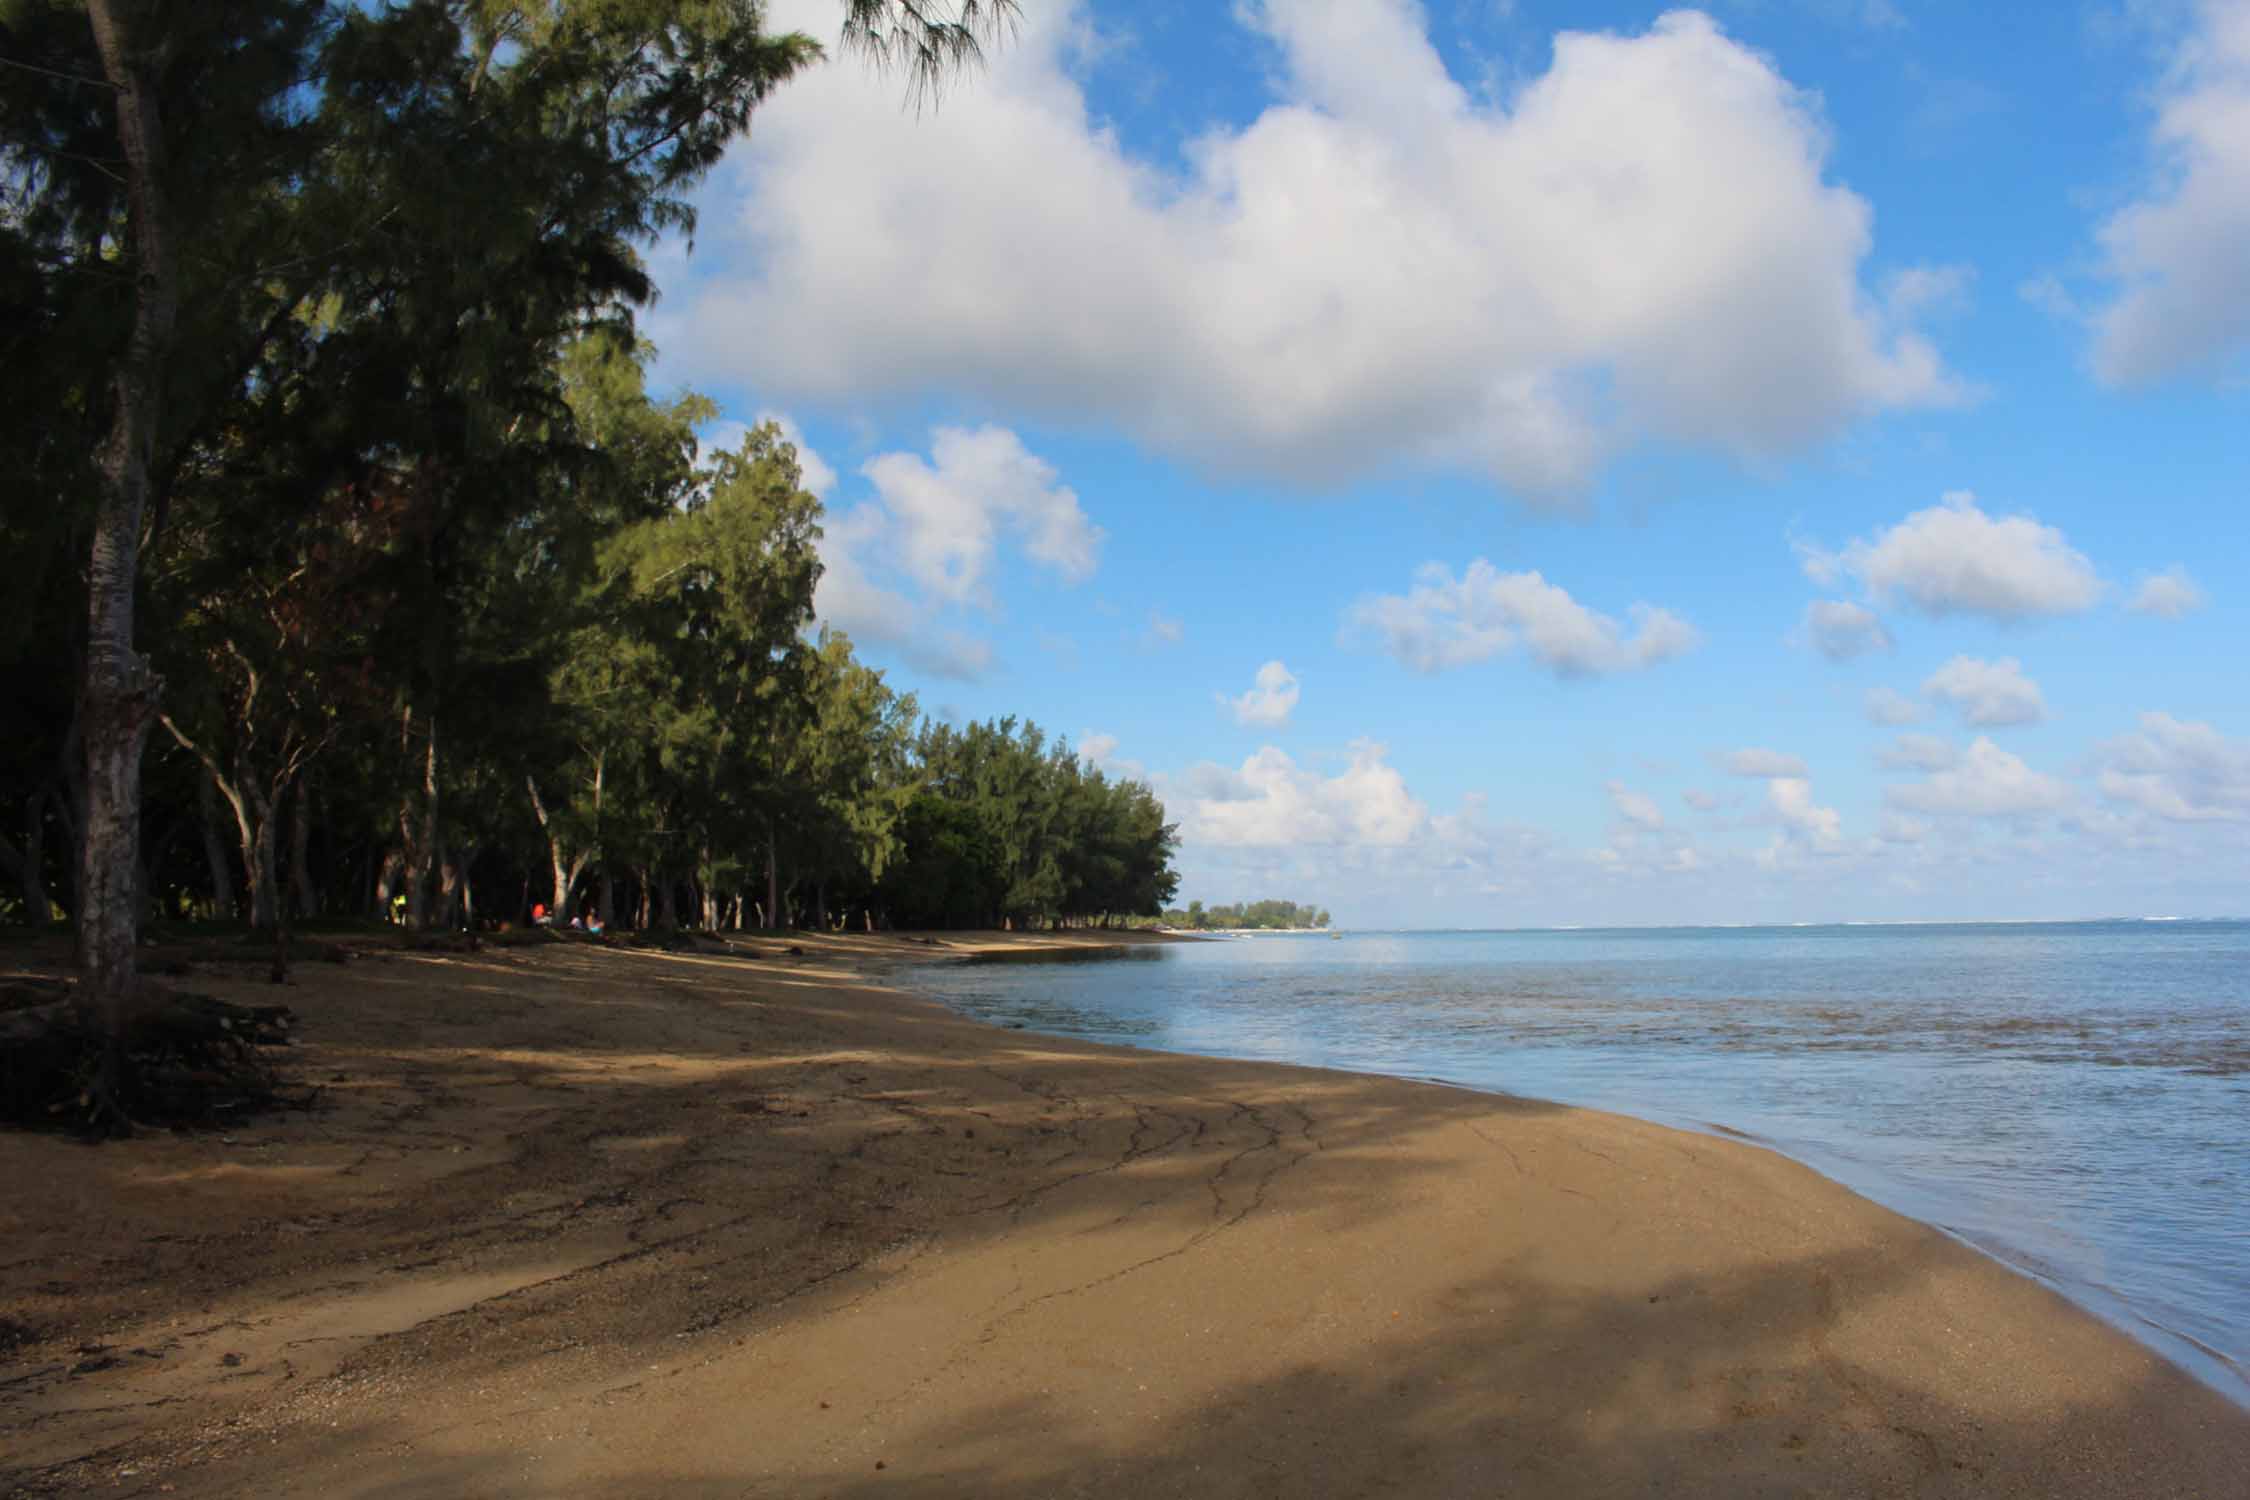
x: 539, y: 915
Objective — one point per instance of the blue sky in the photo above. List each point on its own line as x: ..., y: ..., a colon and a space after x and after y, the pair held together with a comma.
x: 1499, y: 464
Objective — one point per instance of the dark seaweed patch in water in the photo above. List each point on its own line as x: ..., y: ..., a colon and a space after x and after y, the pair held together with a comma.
x: 1109, y: 954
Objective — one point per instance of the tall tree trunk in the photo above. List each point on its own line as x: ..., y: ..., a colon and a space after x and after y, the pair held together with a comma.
x: 773, y: 878
x: 214, y: 851
x: 118, y: 704
x: 566, y: 870
x: 259, y: 835
x: 300, y: 849
x: 394, y: 865
x: 419, y: 834
x: 33, y: 876
x: 605, y: 905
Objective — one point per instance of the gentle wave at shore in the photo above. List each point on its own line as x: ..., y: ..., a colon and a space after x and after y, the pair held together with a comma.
x: 2068, y: 1097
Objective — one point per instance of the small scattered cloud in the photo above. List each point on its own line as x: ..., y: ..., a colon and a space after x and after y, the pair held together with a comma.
x: 1891, y: 708
x: 1096, y: 749
x: 1699, y: 799
x: 2167, y: 595
x: 1897, y: 828
x: 1987, y: 694
x: 1164, y: 629
x: 1918, y: 752
x: 1270, y: 700
x: 1986, y: 781
x: 1919, y: 291
x: 2180, y: 770
x: 1760, y: 762
x: 1954, y: 559
x: 1840, y: 630
x: 1636, y: 808
x: 1791, y: 800
x: 1445, y: 622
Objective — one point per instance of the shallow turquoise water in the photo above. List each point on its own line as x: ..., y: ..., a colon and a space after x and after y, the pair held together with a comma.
x: 2072, y: 1098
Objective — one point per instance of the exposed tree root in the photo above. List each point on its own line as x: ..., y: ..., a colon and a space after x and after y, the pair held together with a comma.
x: 185, y: 1060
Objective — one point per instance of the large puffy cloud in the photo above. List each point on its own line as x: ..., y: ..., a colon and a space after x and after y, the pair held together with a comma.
x: 1444, y: 621
x: 1986, y: 781
x: 2179, y: 769
x: 1271, y: 698
x: 2183, y: 301
x: 1987, y: 694
x: 1953, y: 558
x: 1642, y: 244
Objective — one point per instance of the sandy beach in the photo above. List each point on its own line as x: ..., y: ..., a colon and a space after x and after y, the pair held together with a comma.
x: 571, y: 1221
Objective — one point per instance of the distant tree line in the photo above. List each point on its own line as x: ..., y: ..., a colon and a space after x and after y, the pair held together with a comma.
x: 1252, y: 915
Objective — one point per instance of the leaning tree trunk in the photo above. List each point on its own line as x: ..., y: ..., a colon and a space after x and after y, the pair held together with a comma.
x: 118, y: 704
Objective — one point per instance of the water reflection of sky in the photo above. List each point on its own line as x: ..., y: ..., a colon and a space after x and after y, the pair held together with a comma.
x: 2072, y: 1097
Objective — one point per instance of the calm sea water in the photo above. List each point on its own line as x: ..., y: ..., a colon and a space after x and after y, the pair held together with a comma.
x: 2072, y: 1098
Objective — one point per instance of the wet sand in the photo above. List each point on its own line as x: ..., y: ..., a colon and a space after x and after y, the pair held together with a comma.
x: 585, y: 1222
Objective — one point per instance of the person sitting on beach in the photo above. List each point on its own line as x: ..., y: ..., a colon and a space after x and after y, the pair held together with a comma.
x: 540, y: 917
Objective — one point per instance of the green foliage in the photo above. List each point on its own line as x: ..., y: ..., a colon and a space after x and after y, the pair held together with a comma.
x: 1256, y: 916
x: 442, y: 599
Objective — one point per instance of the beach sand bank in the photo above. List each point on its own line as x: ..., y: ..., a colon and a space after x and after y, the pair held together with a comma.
x: 575, y: 1222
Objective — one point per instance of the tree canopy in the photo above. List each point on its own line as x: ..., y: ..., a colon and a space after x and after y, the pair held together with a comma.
x: 333, y: 476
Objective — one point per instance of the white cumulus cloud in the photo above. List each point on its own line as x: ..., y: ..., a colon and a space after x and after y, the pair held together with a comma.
x: 1272, y: 802
x: 1953, y: 558
x: 1987, y: 694
x: 894, y: 565
x: 2167, y: 595
x: 2176, y: 254
x: 1444, y: 622
x: 1643, y: 242
x: 1841, y: 630
x: 952, y: 508
x: 2179, y: 769
x: 1986, y: 781
x: 848, y: 598
x: 1791, y: 799
x: 1270, y: 700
